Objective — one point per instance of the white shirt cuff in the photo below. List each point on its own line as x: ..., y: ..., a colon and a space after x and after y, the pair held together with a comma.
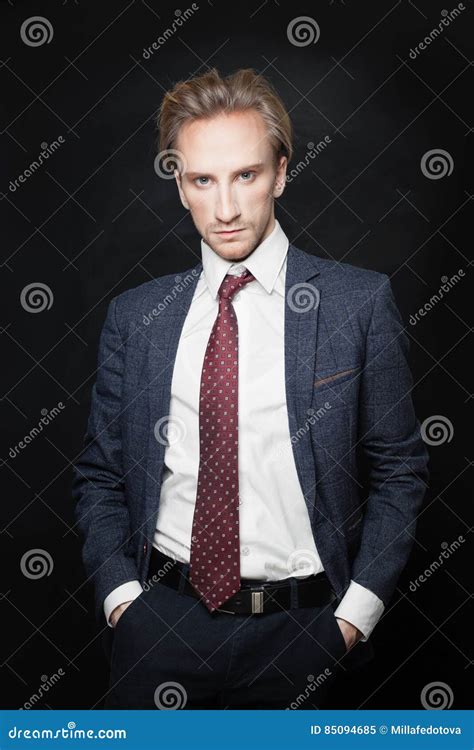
x: 124, y: 593
x: 361, y: 607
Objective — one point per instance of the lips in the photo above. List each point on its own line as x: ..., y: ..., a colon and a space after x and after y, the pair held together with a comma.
x: 230, y: 232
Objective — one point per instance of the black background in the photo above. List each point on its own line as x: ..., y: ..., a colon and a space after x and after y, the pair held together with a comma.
x: 96, y: 220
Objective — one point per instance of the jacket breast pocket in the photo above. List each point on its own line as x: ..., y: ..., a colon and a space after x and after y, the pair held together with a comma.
x: 334, y: 380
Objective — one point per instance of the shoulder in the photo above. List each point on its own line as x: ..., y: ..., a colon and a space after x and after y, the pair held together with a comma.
x: 143, y: 299
x: 355, y: 293
x: 339, y: 277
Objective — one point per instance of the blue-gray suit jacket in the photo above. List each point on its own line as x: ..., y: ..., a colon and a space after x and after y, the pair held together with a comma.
x: 356, y: 441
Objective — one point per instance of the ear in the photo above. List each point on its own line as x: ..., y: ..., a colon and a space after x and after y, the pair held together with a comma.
x: 180, y: 189
x: 280, y: 177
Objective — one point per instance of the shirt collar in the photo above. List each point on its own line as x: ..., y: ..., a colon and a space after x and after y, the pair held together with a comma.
x: 265, y: 263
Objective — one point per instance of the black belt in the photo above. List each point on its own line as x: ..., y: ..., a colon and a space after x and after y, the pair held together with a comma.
x: 253, y: 597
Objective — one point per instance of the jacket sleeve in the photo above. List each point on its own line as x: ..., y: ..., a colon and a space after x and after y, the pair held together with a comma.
x: 98, y: 484
x: 394, y: 451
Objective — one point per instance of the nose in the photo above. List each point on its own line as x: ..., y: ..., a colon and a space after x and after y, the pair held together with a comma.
x: 226, y: 209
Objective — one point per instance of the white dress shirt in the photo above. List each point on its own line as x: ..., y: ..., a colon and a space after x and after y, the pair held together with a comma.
x: 276, y: 539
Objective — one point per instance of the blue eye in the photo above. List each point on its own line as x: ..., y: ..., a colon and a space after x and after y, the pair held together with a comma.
x: 203, y: 180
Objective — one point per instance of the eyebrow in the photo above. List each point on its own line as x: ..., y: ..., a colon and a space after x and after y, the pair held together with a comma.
x: 193, y: 175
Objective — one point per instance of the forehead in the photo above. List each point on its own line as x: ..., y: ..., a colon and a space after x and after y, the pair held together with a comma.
x: 227, y: 141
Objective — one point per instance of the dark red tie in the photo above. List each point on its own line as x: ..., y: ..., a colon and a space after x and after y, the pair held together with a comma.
x: 214, y: 569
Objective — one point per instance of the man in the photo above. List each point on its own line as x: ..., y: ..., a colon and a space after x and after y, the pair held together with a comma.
x: 252, y: 447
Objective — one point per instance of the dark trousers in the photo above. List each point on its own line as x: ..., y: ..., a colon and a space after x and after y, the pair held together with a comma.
x: 169, y: 652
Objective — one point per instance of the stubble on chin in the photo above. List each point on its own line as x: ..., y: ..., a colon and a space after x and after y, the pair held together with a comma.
x: 233, y: 255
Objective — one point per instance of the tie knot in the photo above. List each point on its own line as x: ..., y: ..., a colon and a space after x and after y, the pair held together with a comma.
x: 232, y: 284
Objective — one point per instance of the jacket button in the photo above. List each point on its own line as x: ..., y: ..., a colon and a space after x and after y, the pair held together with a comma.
x: 145, y: 547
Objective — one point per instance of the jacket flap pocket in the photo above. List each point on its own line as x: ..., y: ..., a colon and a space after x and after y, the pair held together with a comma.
x: 335, y: 378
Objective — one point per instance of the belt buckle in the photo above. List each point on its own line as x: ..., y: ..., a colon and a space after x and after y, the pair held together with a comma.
x: 257, y: 601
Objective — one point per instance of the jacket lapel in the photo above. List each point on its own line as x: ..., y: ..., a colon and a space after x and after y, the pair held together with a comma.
x: 302, y: 300
x: 163, y: 339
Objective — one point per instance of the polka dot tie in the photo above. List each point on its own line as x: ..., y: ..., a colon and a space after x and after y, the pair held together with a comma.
x: 214, y: 569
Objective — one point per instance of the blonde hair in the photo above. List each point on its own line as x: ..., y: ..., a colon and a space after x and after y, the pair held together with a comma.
x: 209, y: 95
